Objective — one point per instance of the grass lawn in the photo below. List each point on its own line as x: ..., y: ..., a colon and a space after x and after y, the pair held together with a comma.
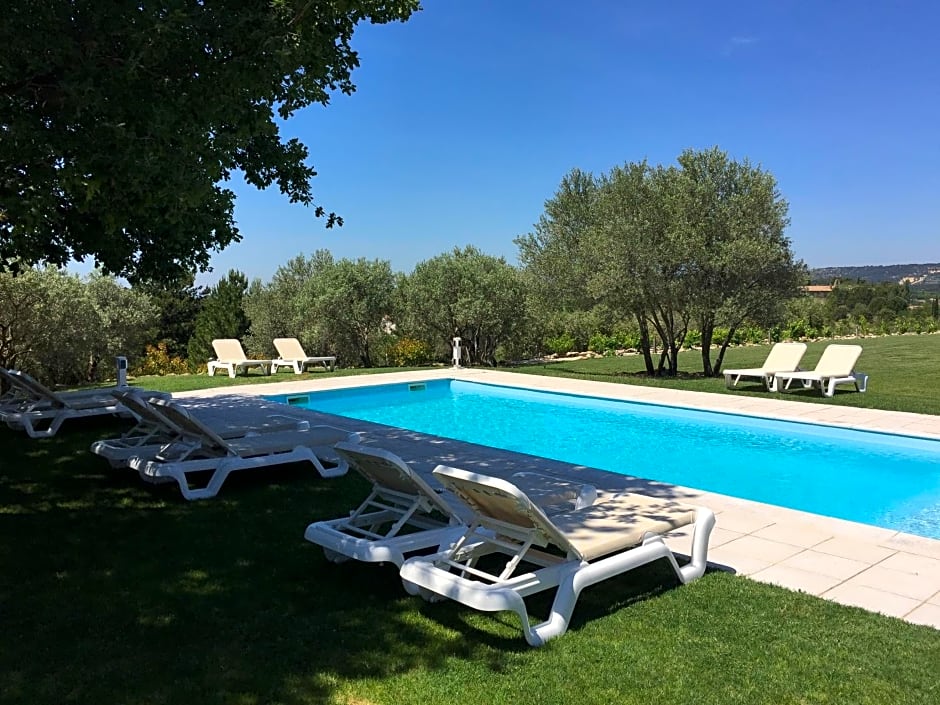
x: 112, y: 591
x: 904, y: 373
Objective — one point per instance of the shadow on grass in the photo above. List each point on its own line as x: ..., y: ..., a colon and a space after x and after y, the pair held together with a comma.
x: 115, y: 591
x: 123, y: 592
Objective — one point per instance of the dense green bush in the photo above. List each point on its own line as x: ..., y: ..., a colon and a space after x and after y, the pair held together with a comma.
x: 601, y: 343
x: 157, y: 360
x: 67, y: 329
x: 409, y: 352
x: 693, y: 338
x: 561, y: 344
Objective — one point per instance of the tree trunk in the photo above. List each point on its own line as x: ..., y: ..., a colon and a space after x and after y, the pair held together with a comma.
x: 663, y: 370
x: 708, y: 330
x: 721, y: 351
x: 645, y: 344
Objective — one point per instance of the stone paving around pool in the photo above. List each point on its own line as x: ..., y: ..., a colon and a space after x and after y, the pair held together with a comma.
x: 856, y: 564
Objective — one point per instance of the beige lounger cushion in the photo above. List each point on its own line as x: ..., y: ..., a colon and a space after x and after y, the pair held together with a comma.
x: 620, y: 522
x: 597, y: 530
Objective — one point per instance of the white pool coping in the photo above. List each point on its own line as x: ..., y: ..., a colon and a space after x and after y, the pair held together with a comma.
x: 877, y: 569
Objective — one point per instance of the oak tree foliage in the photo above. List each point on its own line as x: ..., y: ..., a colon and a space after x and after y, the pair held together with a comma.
x: 121, y: 122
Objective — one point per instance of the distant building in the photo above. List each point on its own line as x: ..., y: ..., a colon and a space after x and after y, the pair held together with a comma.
x: 819, y: 291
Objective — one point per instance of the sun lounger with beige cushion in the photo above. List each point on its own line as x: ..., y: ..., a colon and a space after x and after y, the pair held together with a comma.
x: 836, y: 366
x: 292, y: 355
x: 783, y: 357
x: 403, y: 514
x: 25, y: 393
x: 205, y: 451
x: 40, y: 412
x: 590, y: 544
x: 154, y: 430
x: 230, y: 356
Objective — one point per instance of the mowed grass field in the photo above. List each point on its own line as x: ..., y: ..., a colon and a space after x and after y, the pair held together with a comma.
x: 114, y: 591
x: 904, y: 373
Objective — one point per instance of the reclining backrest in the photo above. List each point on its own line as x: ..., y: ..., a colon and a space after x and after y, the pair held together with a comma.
x: 191, y: 426
x: 784, y: 357
x: 838, y: 360
x: 289, y: 349
x: 385, y: 469
x: 493, y: 498
x: 146, y: 411
x: 228, y: 349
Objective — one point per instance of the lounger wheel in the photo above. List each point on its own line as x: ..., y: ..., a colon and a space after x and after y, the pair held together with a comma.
x: 334, y: 556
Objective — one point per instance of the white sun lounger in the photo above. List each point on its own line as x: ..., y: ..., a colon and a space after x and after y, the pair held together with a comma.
x: 230, y: 356
x: 403, y: 514
x: 25, y: 393
x: 835, y: 366
x: 783, y: 357
x: 292, y: 355
x: 596, y: 542
x: 154, y: 430
x: 204, y: 450
x: 40, y: 412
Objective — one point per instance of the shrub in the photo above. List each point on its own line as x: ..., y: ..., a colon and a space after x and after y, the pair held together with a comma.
x: 720, y: 333
x: 601, y: 343
x: 628, y: 339
x: 158, y: 361
x: 754, y: 335
x: 561, y: 345
x: 693, y: 338
x: 408, y: 352
x: 618, y: 340
x: 796, y: 329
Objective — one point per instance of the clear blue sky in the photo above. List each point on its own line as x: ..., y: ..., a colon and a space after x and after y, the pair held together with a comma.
x: 467, y: 116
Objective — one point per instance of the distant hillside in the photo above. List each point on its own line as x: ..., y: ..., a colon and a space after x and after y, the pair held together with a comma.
x: 922, y: 277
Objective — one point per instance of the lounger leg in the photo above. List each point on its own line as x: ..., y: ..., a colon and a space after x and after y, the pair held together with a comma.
x: 695, y: 568
x: 47, y: 432
x: 861, y: 382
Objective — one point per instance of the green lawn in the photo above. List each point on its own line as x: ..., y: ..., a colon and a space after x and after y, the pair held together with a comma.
x: 904, y: 373
x: 112, y: 591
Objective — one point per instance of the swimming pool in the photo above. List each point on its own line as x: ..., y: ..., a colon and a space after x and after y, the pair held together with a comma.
x: 875, y: 478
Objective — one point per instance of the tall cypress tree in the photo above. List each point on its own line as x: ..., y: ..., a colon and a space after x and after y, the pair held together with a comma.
x: 222, y: 316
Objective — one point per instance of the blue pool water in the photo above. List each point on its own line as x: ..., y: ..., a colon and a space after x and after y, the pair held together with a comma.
x: 886, y: 480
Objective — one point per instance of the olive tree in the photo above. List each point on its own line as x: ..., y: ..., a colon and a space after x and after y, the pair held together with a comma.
x: 332, y: 306
x: 469, y: 294
x: 733, y: 218
x: 351, y: 298
x: 285, y: 307
x: 699, y: 242
x: 63, y: 329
